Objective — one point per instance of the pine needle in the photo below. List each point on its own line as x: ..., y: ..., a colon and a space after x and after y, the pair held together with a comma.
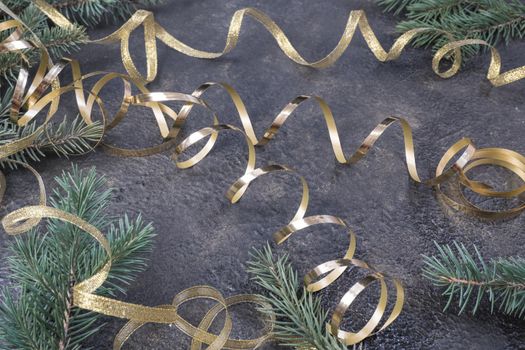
x: 68, y: 138
x: 494, y: 21
x: 36, y: 310
x: 468, y: 279
x: 300, y: 318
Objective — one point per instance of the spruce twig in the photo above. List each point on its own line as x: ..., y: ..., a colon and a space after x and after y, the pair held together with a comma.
x: 36, y: 310
x: 93, y: 12
x: 66, y: 138
x: 90, y: 12
x: 61, y: 41
x: 300, y: 318
x: 469, y: 279
x: 494, y: 21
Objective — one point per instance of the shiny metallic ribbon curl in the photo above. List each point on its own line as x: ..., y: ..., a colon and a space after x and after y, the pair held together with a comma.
x: 22, y: 220
x: 319, y: 277
x: 84, y: 292
x: 468, y: 157
x: 28, y: 101
x: 356, y: 19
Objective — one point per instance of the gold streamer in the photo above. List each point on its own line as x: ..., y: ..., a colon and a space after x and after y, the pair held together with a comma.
x: 468, y: 157
x: 33, y: 99
x: 319, y: 277
x: 22, y: 220
x: 84, y: 292
x: 356, y: 19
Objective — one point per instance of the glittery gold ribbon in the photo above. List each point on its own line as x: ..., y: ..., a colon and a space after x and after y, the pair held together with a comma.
x: 84, y: 296
x: 28, y: 101
x: 356, y: 19
x: 22, y: 220
x: 319, y: 277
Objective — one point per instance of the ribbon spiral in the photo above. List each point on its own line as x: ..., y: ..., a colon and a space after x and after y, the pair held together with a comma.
x: 356, y: 19
x: 30, y: 99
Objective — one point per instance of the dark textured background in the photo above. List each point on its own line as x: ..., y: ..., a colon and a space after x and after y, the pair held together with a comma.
x: 202, y: 239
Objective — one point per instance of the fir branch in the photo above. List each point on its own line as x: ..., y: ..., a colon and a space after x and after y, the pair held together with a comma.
x: 470, y: 279
x: 431, y: 10
x: 61, y: 41
x: 65, y: 139
x: 395, y: 6
x: 93, y: 12
x: 300, y: 319
x: 36, y: 311
x: 494, y: 21
x: 68, y: 138
x: 5, y: 104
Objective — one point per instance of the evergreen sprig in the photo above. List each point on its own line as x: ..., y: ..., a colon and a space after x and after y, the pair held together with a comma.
x: 36, y: 310
x: 494, y: 21
x: 66, y: 138
x: 470, y: 279
x: 90, y: 12
x: 300, y: 318
x: 58, y: 40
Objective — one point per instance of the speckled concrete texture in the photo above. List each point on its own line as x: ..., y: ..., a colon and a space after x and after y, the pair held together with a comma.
x: 202, y: 239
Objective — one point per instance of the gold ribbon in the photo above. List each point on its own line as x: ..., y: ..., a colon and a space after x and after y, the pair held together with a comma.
x: 468, y: 157
x: 319, y: 277
x: 84, y: 292
x: 356, y: 19
x: 28, y: 101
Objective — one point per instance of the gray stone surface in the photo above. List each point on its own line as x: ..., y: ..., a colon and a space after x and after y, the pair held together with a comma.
x: 202, y: 239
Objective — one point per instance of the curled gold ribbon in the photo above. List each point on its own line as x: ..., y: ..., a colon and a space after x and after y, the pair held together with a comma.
x: 319, y: 277
x: 326, y: 273
x: 31, y: 98
x: 468, y: 157
x: 13, y: 42
x: 356, y: 19
x: 84, y: 296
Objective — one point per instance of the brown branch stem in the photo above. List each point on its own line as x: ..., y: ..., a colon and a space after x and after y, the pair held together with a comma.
x: 500, y: 25
x: 67, y: 313
x: 492, y: 283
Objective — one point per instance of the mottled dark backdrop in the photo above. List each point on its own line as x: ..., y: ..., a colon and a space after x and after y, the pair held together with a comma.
x: 204, y: 240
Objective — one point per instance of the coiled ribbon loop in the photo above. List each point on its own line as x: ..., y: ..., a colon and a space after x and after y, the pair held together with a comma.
x: 29, y: 99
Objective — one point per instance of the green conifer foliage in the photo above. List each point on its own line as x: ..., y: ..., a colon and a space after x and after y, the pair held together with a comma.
x: 468, y: 279
x: 36, y: 309
x: 495, y: 21
x: 61, y: 41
